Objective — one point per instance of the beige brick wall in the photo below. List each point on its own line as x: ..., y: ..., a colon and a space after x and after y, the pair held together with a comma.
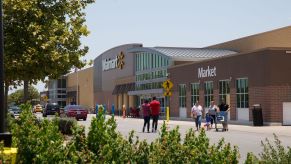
x: 85, y: 83
x: 275, y: 38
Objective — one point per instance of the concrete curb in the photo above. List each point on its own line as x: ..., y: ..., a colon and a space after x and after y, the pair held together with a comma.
x: 231, y: 122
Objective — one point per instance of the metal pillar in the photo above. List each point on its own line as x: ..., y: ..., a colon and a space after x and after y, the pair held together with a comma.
x: 4, y: 136
x: 2, y: 110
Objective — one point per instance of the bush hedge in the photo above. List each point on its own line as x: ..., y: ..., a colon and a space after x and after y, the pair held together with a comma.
x: 44, y: 143
x: 66, y: 124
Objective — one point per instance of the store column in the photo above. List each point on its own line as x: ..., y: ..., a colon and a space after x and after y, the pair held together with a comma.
x: 131, y: 101
x: 125, y: 100
x: 119, y: 103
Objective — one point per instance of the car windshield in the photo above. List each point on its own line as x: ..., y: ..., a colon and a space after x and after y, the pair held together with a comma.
x: 52, y: 106
x: 15, y: 108
x: 74, y: 107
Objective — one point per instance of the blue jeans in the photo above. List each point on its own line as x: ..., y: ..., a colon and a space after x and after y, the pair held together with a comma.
x: 198, y: 122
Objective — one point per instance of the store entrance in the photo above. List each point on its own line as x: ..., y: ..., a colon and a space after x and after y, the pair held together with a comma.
x: 224, y: 93
x: 161, y: 99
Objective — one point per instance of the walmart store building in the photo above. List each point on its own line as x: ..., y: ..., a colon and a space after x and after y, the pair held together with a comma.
x: 128, y: 74
x: 245, y: 71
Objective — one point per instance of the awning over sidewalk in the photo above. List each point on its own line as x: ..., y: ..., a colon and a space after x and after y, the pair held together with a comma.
x: 123, y: 88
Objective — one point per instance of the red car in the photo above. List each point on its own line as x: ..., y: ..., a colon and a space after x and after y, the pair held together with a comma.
x: 77, y: 111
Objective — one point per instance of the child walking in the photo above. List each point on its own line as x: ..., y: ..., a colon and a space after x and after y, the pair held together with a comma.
x: 208, y: 121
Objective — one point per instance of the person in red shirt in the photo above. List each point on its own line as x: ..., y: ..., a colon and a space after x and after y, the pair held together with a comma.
x: 146, y: 115
x: 155, y: 108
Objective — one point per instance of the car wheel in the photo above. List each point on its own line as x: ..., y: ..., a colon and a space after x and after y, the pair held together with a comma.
x: 84, y: 119
x: 44, y: 115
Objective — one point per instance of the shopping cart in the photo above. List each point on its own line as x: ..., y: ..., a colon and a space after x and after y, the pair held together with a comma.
x: 220, y: 120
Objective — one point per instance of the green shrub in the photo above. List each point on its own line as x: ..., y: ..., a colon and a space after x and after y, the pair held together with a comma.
x: 105, y: 142
x: 42, y: 142
x: 193, y: 149
x: 37, y: 143
x: 272, y: 153
x: 66, y: 125
x: 1, y: 154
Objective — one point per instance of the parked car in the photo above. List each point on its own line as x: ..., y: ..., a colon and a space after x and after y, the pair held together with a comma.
x: 14, y: 111
x: 77, y: 111
x: 51, y: 109
x: 37, y: 108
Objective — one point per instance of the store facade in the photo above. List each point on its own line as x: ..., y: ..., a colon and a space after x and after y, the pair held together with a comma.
x: 114, y: 76
x: 243, y: 79
x: 142, y: 73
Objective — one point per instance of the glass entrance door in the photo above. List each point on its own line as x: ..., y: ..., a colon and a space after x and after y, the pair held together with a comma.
x: 224, y: 93
x: 149, y: 98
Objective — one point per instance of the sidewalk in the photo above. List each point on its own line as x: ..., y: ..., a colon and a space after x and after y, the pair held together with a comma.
x: 278, y: 130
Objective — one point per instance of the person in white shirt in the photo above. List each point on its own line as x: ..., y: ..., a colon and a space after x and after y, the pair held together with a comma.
x: 197, y: 114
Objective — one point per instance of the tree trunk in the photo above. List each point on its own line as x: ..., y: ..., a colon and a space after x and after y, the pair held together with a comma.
x: 25, y: 89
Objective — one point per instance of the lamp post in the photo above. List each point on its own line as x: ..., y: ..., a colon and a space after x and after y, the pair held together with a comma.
x: 2, y: 114
x: 77, y: 101
x: 3, y: 134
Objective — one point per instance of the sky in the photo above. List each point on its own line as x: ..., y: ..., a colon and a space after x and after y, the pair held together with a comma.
x: 178, y: 23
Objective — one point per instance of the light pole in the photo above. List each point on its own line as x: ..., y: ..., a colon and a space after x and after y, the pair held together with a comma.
x: 3, y: 134
x: 2, y: 114
x: 77, y: 96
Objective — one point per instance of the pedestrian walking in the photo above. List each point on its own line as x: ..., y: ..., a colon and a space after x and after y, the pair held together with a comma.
x: 197, y: 113
x: 224, y: 109
x: 146, y: 115
x: 213, y: 109
x: 155, y: 110
x: 207, y: 121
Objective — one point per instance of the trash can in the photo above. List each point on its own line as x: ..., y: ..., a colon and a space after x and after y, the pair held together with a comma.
x: 257, y: 115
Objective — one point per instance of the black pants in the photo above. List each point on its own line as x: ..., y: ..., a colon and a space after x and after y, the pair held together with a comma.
x: 213, y: 119
x: 146, y: 122
x: 155, y: 122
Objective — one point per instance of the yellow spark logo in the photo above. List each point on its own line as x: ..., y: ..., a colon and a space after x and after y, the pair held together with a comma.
x: 120, y: 60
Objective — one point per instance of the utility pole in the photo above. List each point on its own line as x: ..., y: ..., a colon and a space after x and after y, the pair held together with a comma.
x: 4, y: 136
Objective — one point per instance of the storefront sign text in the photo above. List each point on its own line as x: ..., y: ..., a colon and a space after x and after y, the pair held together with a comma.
x: 117, y: 62
x: 208, y: 72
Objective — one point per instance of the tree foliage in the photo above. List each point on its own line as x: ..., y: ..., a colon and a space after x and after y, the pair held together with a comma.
x: 42, y: 38
x: 17, y: 96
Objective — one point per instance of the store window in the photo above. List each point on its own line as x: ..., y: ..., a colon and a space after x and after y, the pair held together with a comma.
x: 182, y: 95
x: 194, y: 93
x: 242, y: 95
x: 208, y: 92
x: 224, y: 90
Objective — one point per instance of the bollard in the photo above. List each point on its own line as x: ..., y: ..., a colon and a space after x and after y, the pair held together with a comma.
x: 96, y: 110
x: 168, y: 114
x: 123, y: 111
x: 104, y: 110
x: 9, y: 155
x: 112, y: 110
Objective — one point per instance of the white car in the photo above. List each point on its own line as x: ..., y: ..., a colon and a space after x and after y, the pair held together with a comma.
x: 14, y: 111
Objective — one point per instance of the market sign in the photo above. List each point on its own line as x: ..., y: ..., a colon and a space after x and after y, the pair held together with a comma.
x: 208, y: 72
x: 117, y: 62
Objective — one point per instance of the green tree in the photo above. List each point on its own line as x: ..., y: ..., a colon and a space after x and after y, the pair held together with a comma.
x: 42, y: 38
x: 18, y: 96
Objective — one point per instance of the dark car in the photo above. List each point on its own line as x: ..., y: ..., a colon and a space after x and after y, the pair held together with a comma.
x: 77, y: 111
x: 51, y: 109
x: 14, y: 111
